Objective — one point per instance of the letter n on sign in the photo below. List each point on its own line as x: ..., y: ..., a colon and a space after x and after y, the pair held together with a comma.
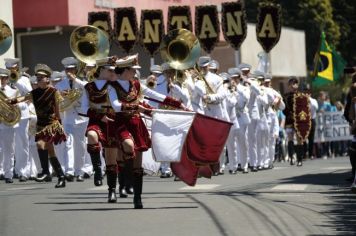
x: 233, y: 22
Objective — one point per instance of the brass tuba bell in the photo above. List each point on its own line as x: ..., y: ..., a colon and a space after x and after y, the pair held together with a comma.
x: 180, y: 48
x: 89, y: 43
x: 10, y: 114
x: 5, y: 37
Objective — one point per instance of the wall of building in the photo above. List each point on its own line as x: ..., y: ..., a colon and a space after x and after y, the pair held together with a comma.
x: 287, y: 57
x: 6, y: 15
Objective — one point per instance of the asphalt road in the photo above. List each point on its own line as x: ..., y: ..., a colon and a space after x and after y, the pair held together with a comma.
x: 311, y: 200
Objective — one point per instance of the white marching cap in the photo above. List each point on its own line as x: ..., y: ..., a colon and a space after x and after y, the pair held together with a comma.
x: 214, y: 65
x: 69, y: 62
x: 56, y: 76
x: 90, y: 64
x: 204, y: 61
x: 165, y: 66
x: 11, y: 62
x: 234, y: 71
x: 225, y: 76
x: 156, y: 69
x: 268, y: 77
x: 128, y: 61
x: 244, y: 66
x: 4, y: 72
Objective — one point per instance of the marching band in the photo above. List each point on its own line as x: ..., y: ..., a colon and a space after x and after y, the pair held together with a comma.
x: 90, y: 119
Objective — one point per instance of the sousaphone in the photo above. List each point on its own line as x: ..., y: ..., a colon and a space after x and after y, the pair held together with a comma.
x: 9, y: 114
x: 88, y: 43
x: 5, y: 37
x: 180, y: 48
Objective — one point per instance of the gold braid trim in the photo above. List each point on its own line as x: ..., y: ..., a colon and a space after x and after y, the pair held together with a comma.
x: 51, y: 130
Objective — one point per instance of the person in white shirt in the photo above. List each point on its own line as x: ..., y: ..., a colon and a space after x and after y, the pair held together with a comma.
x: 7, y: 141
x: 21, y: 134
x: 243, y: 118
x: 275, y: 103
x: 74, y: 124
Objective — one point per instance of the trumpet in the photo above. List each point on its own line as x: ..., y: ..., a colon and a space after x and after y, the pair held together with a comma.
x: 151, y: 82
x: 14, y: 76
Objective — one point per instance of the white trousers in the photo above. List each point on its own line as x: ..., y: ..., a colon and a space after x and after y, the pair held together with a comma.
x: 231, y: 150
x: 242, y: 145
x: 252, y: 141
x: 34, y: 160
x: 22, y: 148
x: 262, y: 149
x: 74, y: 149
x: 7, y: 144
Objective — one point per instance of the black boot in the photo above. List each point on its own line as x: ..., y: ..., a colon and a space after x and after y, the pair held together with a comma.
x: 122, y: 191
x: 137, y: 185
x: 57, y: 167
x: 128, y: 173
x: 96, y: 162
x: 291, y: 151
x: 111, y: 177
x: 45, y: 175
x: 94, y: 151
x: 299, y: 149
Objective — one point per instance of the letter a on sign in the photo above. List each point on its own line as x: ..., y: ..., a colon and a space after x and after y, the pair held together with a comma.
x: 268, y: 28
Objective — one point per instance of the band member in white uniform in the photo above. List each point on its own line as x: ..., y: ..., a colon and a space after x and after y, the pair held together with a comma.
x: 243, y: 118
x: 74, y: 124
x: 21, y: 134
x: 253, y: 113
x: 230, y: 104
x: 7, y: 140
x: 275, y: 103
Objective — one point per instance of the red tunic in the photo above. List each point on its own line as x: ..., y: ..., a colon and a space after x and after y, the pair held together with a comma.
x: 105, y: 131
x: 130, y: 124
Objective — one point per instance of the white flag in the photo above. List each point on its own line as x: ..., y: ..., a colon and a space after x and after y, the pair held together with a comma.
x: 169, y: 130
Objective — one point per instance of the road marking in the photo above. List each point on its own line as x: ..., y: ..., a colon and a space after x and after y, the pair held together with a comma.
x: 292, y: 187
x: 337, y: 168
x: 281, y: 195
x: 101, y: 188
x: 21, y: 188
x: 279, y: 168
x: 200, y: 187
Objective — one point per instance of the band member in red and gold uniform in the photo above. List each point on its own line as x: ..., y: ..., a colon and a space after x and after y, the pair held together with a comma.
x: 126, y: 96
x: 101, y: 120
x: 298, y: 119
x: 49, y: 130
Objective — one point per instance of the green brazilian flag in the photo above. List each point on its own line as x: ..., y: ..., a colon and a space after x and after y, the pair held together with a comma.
x: 329, y: 65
